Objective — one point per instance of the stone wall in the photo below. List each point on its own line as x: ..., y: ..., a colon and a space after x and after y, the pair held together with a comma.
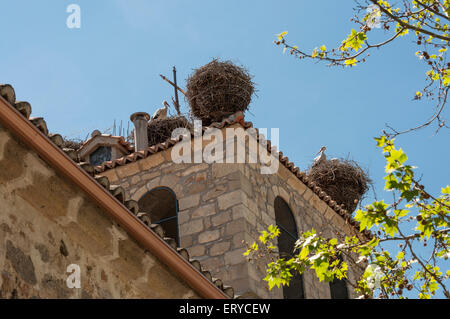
x: 47, y: 224
x: 222, y: 205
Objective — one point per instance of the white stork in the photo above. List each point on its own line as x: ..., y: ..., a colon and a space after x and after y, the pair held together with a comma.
x: 321, y: 158
x: 162, y: 112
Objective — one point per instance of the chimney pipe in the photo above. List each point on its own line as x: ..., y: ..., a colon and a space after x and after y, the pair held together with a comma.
x: 140, y: 120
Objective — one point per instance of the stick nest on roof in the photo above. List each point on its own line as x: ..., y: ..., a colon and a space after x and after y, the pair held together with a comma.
x: 217, y: 90
x: 74, y: 143
x: 160, y: 130
x: 343, y: 180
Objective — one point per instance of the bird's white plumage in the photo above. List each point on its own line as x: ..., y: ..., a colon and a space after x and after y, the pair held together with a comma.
x: 162, y: 112
x: 320, y: 158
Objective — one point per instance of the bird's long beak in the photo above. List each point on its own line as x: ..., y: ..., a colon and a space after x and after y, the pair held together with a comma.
x: 321, y: 150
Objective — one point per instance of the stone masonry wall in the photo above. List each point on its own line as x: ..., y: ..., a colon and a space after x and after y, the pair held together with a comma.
x: 46, y: 224
x: 222, y: 205
x: 309, y: 212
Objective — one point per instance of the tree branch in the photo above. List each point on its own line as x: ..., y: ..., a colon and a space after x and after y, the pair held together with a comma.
x: 407, y: 25
x: 432, y: 10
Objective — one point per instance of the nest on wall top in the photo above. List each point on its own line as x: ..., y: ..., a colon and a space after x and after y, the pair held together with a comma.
x: 72, y: 143
x: 160, y: 130
x: 343, y: 180
x: 217, y: 90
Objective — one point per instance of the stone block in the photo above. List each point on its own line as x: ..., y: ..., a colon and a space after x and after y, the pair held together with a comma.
x: 169, y: 180
x: 214, y: 192
x: 235, y: 257
x: 208, y: 236
x: 195, y: 168
x: 183, y: 216
x: 221, y: 218
x: 127, y: 170
x: 296, y: 184
x: 134, y: 180
x: 284, y: 173
x: 13, y: 158
x: 196, y: 188
x: 223, y: 169
x: 191, y: 227
x: 197, y: 251
x: 189, y: 201
x: 230, y: 199
x: 111, y: 175
x: 139, y: 193
x: 219, y: 248
x: 203, y: 211
x: 153, y: 183
x: 151, y: 161
x: 307, y: 194
x: 318, y: 204
x: 22, y: 263
x: 235, y: 226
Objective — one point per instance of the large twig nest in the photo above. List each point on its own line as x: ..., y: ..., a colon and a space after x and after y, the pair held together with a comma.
x: 343, y: 180
x: 160, y: 130
x: 217, y: 90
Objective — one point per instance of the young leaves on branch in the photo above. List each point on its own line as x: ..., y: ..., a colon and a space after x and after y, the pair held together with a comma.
x: 427, y: 20
x: 415, y: 219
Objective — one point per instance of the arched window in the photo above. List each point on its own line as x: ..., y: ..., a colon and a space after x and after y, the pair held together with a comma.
x: 162, y: 206
x: 338, y: 288
x: 286, y: 243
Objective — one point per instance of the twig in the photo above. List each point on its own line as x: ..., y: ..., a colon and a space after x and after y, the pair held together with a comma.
x: 173, y: 84
x: 407, y: 25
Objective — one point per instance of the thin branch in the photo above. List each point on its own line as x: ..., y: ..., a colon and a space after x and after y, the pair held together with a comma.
x: 446, y: 293
x: 431, y: 120
x: 407, y: 25
x: 349, y: 57
x: 432, y: 10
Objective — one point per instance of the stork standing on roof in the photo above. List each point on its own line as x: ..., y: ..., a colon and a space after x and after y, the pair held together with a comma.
x: 162, y: 112
x: 321, y: 157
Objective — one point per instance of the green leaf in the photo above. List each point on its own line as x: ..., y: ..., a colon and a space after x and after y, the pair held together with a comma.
x: 354, y: 41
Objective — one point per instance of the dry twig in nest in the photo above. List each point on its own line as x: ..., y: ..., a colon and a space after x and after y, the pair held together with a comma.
x: 343, y: 180
x: 217, y: 90
x: 160, y: 130
x: 72, y: 143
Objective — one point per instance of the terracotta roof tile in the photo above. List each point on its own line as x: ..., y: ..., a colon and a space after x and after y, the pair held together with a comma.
x: 233, y: 119
x: 120, y: 139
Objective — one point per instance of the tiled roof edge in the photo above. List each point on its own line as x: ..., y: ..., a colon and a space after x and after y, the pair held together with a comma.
x: 7, y: 92
x: 233, y: 119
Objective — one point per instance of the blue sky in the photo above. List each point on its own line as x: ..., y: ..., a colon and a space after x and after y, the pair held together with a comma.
x: 84, y: 79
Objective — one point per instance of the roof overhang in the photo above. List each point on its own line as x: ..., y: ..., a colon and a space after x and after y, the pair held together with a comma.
x: 24, y: 130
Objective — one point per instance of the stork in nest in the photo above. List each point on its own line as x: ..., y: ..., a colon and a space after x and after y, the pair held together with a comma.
x: 162, y: 112
x: 321, y: 158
